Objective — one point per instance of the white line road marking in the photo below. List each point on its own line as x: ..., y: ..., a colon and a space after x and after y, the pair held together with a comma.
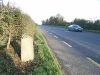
x: 55, y: 36
x: 50, y: 33
x: 67, y: 65
x: 66, y: 43
x: 66, y: 31
x: 97, y: 64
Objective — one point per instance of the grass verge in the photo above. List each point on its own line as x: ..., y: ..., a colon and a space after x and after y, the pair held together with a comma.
x: 50, y: 65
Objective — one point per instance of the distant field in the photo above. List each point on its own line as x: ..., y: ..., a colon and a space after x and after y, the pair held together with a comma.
x: 94, y: 31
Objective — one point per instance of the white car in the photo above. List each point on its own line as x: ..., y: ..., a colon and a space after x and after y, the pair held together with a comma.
x: 75, y: 27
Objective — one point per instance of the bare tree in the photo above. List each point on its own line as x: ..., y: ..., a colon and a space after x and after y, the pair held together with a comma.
x: 11, y: 22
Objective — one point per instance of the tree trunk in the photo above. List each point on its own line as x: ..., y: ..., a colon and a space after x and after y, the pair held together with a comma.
x: 9, y: 40
x: 27, y: 48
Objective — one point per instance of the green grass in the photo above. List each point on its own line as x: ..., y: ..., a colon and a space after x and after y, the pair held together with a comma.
x: 29, y: 25
x: 50, y: 65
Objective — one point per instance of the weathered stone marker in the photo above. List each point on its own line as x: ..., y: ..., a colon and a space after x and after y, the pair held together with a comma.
x: 27, y: 48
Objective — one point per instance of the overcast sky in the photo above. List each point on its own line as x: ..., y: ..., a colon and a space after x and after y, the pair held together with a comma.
x: 69, y: 9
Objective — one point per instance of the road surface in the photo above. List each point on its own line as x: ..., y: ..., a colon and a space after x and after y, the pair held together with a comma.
x: 79, y: 52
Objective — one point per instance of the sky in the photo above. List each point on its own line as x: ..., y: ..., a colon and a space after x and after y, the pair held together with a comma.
x: 70, y: 9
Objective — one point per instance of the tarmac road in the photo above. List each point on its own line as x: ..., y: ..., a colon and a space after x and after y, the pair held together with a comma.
x: 79, y: 52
